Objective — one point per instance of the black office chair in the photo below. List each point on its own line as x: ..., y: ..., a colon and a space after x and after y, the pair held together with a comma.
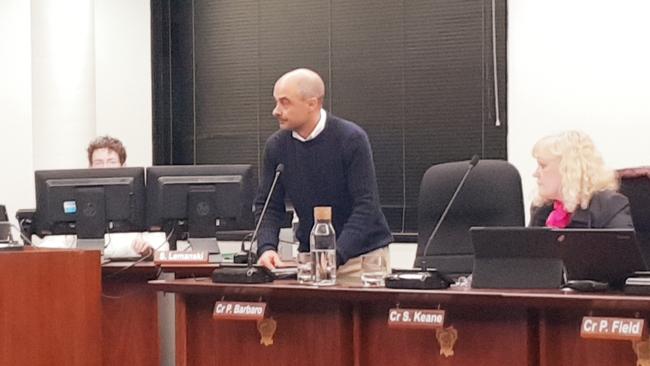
x: 635, y: 185
x: 491, y: 196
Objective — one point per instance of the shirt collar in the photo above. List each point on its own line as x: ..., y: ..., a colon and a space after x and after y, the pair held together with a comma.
x: 320, y: 126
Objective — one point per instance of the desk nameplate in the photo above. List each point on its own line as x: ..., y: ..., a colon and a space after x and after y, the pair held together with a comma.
x: 237, y: 310
x: 629, y: 329
x: 176, y: 257
x: 416, y: 318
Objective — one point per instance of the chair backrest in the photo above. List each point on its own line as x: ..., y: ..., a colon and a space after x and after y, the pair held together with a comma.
x: 635, y: 185
x: 491, y: 196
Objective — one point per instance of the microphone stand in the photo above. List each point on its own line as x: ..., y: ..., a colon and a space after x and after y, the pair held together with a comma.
x: 278, y: 171
x: 472, y: 164
x: 250, y: 273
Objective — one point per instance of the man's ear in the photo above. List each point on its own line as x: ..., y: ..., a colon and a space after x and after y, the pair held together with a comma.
x: 313, y: 103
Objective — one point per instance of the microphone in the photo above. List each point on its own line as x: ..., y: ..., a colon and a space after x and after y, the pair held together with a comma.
x: 278, y: 170
x: 250, y: 273
x: 471, y: 166
x: 248, y: 256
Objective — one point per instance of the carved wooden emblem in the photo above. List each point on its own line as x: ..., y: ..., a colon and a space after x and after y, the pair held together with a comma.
x: 446, y: 339
x: 267, y: 327
x: 642, y: 351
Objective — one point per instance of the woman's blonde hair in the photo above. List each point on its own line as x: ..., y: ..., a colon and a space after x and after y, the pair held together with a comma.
x: 582, y: 170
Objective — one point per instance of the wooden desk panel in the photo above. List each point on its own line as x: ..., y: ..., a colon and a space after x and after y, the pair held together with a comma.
x: 560, y: 342
x: 493, y: 336
x: 310, y: 332
x: 50, y: 307
x: 130, y: 315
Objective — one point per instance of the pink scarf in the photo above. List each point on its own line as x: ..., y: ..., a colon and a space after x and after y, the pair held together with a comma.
x: 559, y: 218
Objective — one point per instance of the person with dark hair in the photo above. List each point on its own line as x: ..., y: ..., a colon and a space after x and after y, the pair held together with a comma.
x: 106, y: 152
x: 109, y: 152
x: 327, y: 162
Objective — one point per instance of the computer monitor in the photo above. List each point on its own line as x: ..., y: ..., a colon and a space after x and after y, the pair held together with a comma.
x: 200, y: 200
x: 3, y: 213
x: 5, y: 233
x: 89, y: 202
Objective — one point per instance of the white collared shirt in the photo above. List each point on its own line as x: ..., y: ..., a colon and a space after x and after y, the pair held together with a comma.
x: 320, y: 126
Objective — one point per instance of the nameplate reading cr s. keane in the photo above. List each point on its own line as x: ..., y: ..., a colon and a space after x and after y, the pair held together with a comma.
x: 174, y: 257
x: 416, y: 318
x: 236, y: 310
x: 631, y: 329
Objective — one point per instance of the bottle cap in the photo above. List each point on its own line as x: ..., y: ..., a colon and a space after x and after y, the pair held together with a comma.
x: 322, y: 213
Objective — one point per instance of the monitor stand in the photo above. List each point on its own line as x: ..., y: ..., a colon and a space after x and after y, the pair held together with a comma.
x: 91, y: 244
x: 209, y: 245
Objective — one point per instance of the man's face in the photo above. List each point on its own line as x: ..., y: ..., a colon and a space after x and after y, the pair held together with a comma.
x: 105, y: 158
x: 549, y: 179
x: 291, y: 109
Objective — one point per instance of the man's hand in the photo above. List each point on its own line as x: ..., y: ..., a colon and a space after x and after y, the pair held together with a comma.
x: 270, y: 259
x: 141, y: 247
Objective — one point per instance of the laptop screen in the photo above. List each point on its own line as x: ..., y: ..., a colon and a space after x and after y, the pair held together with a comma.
x: 606, y: 255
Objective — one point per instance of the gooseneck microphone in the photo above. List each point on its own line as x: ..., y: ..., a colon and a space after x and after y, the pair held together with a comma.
x: 249, y: 273
x: 472, y: 164
x: 278, y: 170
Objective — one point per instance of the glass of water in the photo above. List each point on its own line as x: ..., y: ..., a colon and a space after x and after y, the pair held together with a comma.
x: 305, y: 267
x: 374, y: 268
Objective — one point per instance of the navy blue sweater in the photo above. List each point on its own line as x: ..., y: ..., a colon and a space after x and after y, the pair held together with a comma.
x: 334, y: 169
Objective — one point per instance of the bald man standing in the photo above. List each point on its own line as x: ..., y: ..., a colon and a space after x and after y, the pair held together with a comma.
x: 327, y: 162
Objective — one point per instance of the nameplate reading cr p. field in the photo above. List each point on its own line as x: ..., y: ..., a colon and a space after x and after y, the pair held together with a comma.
x: 174, y: 257
x: 630, y: 329
x: 235, y: 310
x: 416, y: 318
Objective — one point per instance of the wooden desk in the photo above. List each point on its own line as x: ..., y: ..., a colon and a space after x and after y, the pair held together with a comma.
x: 130, y: 315
x: 50, y: 307
x: 346, y: 325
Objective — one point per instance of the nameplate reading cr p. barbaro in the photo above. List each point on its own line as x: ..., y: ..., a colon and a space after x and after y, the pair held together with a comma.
x: 236, y: 310
x: 630, y: 329
x: 175, y: 257
x: 416, y: 318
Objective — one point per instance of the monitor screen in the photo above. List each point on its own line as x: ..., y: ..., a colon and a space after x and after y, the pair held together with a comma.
x: 89, y: 202
x: 200, y: 199
x: 3, y: 213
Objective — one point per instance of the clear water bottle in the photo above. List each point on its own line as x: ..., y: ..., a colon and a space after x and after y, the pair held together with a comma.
x: 322, y: 242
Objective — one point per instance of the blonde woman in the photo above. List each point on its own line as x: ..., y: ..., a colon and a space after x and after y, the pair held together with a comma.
x: 574, y: 188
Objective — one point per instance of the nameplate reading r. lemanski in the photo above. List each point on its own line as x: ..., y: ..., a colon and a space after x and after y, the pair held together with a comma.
x: 177, y: 257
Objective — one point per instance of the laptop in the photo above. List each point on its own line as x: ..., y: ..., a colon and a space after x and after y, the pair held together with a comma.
x: 515, y: 257
x: 521, y: 257
x: 603, y: 255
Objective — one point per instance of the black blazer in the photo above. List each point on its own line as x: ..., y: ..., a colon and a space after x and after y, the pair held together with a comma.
x: 607, y: 210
